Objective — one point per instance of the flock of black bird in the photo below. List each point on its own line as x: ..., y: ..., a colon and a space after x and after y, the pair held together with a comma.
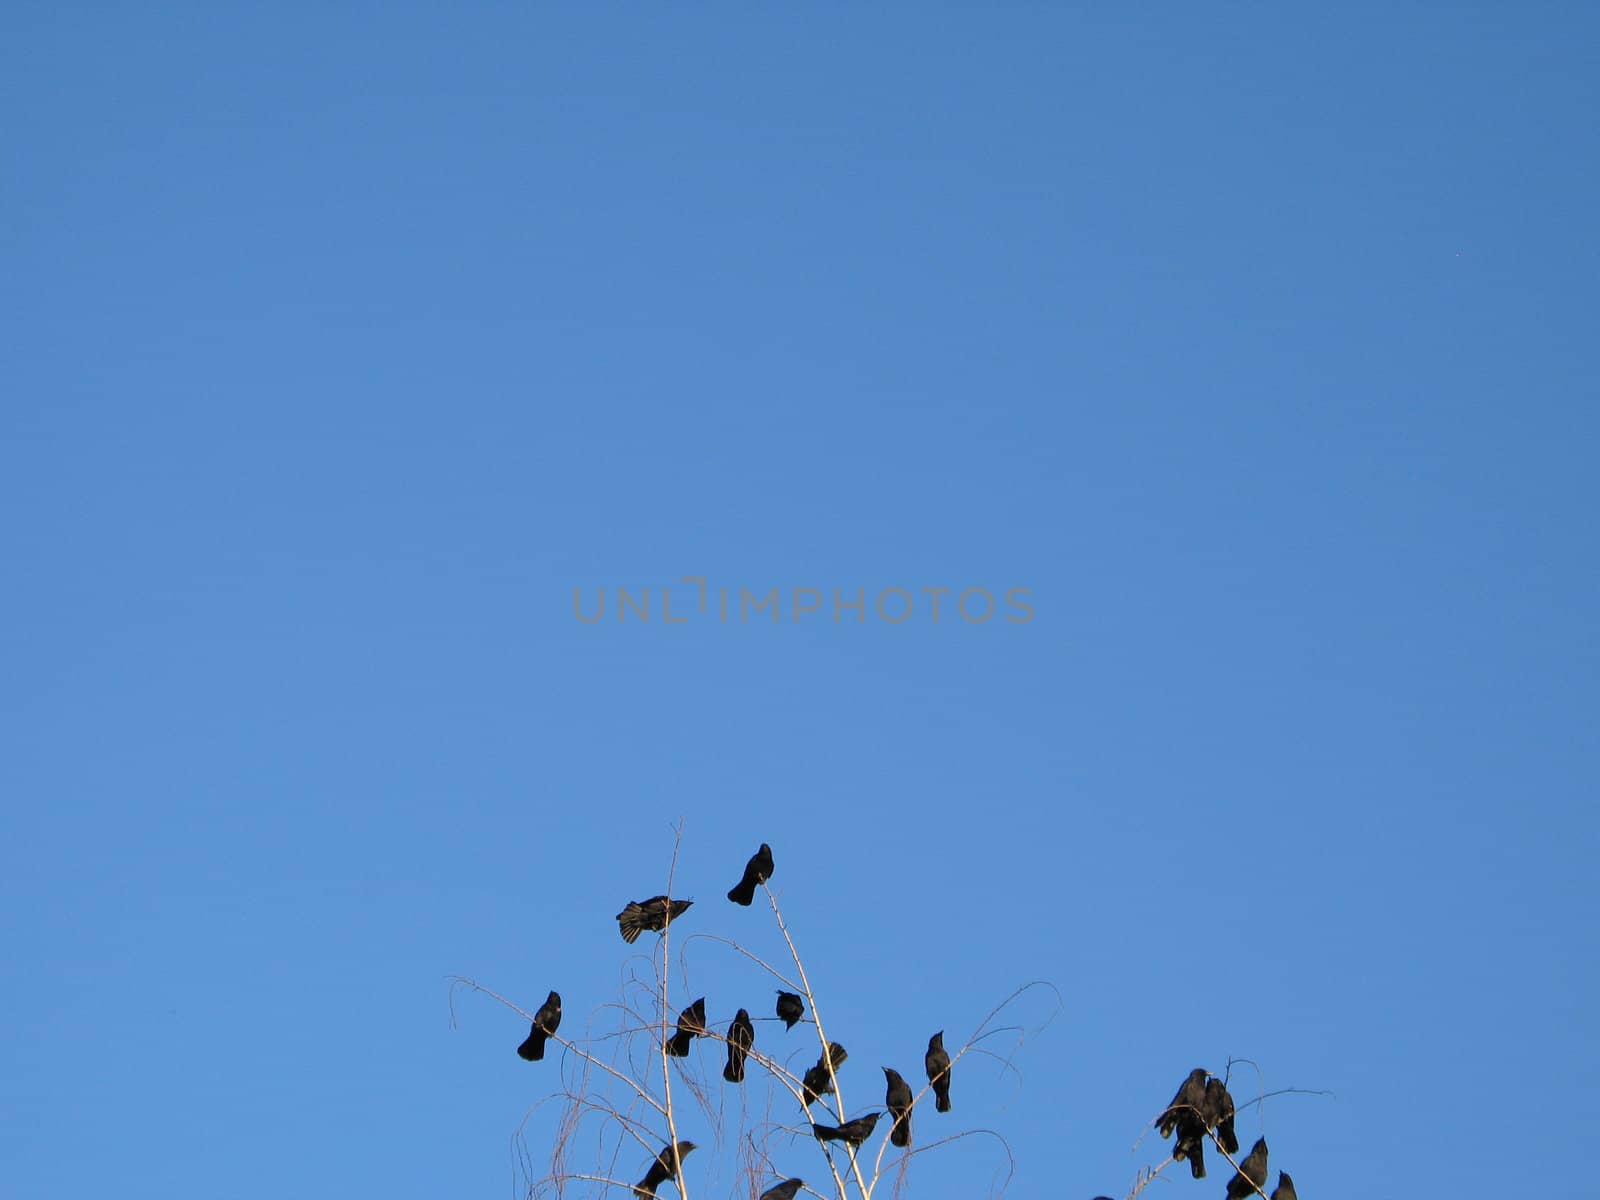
x: 654, y: 915
x: 1202, y: 1105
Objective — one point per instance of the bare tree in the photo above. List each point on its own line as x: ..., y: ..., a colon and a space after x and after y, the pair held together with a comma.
x: 625, y: 1100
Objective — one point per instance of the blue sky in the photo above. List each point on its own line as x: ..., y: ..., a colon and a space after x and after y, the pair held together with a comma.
x: 344, y: 345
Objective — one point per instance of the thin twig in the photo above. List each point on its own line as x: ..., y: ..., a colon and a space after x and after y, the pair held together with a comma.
x: 827, y: 1058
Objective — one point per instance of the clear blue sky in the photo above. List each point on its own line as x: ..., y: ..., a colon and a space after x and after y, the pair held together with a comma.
x: 341, y: 344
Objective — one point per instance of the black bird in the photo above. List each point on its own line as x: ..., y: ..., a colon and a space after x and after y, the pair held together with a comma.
x: 545, y: 1022
x: 1219, y: 1114
x: 851, y: 1133
x: 757, y: 871
x: 1285, y: 1188
x: 691, y: 1024
x: 1252, y: 1173
x: 898, y: 1101
x: 818, y: 1080
x: 1191, y: 1143
x: 741, y: 1036
x: 937, y: 1063
x: 790, y: 1008
x: 664, y: 1168
x: 652, y: 914
x: 784, y: 1191
x: 1191, y: 1098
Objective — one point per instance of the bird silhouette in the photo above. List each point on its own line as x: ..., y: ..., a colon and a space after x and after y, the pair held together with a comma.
x: 691, y: 1024
x: 653, y: 914
x: 757, y: 871
x: 1252, y: 1173
x: 741, y: 1036
x: 664, y: 1168
x: 818, y: 1080
x: 1219, y: 1114
x: 1191, y: 1097
x: 790, y: 1008
x: 545, y: 1022
x: 897, y: 1099
x: 851, y: 1133
x: 937, y: 1064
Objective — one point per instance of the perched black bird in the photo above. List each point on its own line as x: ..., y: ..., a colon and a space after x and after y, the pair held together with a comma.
x: 757, y: 871
x: 784, y: 1191
x: 1285, y: 1188
x: 818, y: 1080
x: 652, y: 914
x: 1191, y: 1098
x: 1191, y: 1143
x: 790, y: 1008
x: 664, y: 1168
x: 1252, y: 1173
x: 937, y: 1063
x: 741, y: 1036
x: 545, y: 1022
x: 898, y: 1101
x: 1219, y: 1114
x: 851, y: 1133
x: 691, y: 1024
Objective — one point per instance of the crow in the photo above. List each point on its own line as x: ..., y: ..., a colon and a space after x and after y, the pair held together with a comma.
x: 545, y: 1022
x: 741, y: 1036
x: 664, y: 1168
x: 937, y: 1063
x: 784, y: 1191
x: 1191, y: 1098
x: 757, y: 870
x: 898, y: 1101
x: 691, y: 1024
x: 652, y: 914
x: 818, y: 1080
x: 1285, y: 1188
x: 1219, y: 1114
x: 1252, y: 1173
x: 851, y: 1133
x: 790, y: 1008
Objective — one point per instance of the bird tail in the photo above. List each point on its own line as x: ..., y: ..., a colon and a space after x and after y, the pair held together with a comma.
x: 1225, y: 1135
x: 743, y: 892
x: 532, y: 1050
x: 734, y: 1071
x: 941, y: 1096
x: 631, y: 921
x: 826, y: 1133
x: 900, y: 1135
x: 678, y: 1044
x: 1194, y: 1151
x: 644, y: 1189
